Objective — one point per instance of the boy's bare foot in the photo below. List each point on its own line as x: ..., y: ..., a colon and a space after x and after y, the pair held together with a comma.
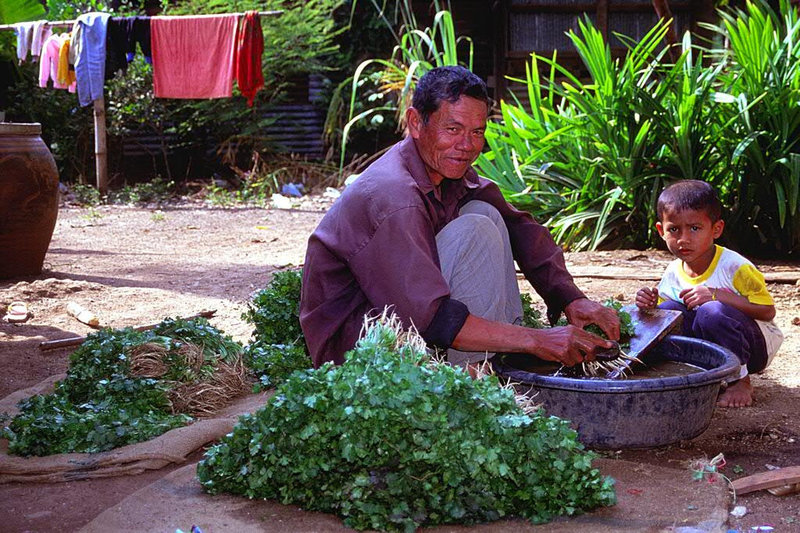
x: 740, y: 394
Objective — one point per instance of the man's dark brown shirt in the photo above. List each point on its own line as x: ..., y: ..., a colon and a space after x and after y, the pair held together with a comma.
x: 376, y: 247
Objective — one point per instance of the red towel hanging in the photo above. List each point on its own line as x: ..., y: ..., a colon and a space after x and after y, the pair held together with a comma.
x: 249, y: 48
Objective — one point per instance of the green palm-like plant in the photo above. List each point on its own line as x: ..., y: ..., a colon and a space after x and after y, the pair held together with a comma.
x: 417, y: 51
x: 585, y: 150
x: 591, y: 157
x: 763, y: 71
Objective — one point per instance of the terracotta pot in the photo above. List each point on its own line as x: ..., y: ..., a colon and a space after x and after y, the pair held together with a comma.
x: 28, y: 199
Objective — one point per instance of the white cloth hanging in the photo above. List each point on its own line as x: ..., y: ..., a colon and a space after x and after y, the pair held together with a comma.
x: 41, y: 31
x: 30, y: 38
x: 24, y: 32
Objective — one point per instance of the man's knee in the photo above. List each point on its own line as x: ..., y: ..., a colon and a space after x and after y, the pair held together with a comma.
x: 478, y: 207
x: 472, y: 232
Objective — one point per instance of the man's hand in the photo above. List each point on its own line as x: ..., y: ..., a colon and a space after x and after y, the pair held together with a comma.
x: 647, y: 298
x: 582, y: 312
x: 569, y: 345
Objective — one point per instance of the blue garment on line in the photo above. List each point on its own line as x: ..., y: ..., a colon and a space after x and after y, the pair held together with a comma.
x: 90, y: 64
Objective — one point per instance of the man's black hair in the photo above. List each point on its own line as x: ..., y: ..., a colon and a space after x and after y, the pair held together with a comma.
x: 446, y: 83
x: 690, y: 194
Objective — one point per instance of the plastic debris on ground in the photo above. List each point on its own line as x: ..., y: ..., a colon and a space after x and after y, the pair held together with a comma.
x: 16, y: 313
x: 330, y: 192
x: 739, y: 511
x: 293, y: 189
x: 280, y: 201
x: 350, y: 179
x: 708, y: 470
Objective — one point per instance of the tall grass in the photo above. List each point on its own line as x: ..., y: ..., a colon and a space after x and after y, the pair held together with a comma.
x: 589, y: 157
x: 417, y: 51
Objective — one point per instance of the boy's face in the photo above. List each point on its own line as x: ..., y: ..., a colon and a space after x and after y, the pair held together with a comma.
x: 690, y: 235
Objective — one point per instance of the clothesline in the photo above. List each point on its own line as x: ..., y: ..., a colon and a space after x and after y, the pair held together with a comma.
x: 99, y: 102
x: 71, y: 22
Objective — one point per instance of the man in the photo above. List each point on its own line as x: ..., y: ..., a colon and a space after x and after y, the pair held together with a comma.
x: 420, y: 231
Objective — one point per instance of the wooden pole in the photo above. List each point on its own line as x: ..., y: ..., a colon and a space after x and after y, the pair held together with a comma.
x: 100, y: 151
x: 74, y: 341
x: 664, y: 12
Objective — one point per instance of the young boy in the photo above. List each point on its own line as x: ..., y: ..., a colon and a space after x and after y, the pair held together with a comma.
x: 722, y: 295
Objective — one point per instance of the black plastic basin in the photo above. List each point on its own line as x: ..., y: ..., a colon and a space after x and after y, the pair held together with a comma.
x: 635, y: 413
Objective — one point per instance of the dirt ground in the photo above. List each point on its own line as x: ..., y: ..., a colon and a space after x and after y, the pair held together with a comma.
x: 134, y: 266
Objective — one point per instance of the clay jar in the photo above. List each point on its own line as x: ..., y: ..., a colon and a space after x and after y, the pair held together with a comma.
x: 28, y: 199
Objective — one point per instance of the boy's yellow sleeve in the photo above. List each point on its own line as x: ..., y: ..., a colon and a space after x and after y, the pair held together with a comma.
x: 750, y: 284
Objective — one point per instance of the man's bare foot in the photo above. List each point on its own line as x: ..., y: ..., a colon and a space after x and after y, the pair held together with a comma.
x: 740, y: 394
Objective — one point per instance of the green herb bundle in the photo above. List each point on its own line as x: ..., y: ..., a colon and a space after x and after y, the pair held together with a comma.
x: 626, y: 326
x: 101, y: 405
x: 278, y: 346
x: 275, y: 311
x: 389, y: 441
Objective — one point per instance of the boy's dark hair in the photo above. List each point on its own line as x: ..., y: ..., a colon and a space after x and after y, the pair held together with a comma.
x: 690, y: 194
x: 446, y: 83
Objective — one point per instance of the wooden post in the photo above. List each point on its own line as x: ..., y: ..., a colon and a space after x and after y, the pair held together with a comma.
x: 100, y: 152
x: 602, y: 20
x: 664, y: 12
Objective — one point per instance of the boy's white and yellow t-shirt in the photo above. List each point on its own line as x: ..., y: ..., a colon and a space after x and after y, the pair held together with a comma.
x: 728, y: 270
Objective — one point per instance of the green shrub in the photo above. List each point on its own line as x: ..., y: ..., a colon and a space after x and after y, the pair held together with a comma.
x: 388, y: 442
x: 86, y: 195
x: 273, y: 363
x: 156, y: 191
x: 762, y: 189
x: 275, y: 311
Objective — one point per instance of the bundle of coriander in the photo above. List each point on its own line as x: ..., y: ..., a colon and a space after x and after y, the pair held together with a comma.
x: 390, y: 441
x: 126, y: 386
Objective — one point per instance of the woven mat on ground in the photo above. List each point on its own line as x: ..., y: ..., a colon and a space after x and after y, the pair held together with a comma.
x: 171, y: 447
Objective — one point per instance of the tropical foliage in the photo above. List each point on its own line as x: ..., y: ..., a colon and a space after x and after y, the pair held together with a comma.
x: 390, y: 82
x: 12, y: 11
x: 763, y: 71
x: 589, y: 156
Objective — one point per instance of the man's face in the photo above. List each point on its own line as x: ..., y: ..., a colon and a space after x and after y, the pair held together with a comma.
x: 452, y: 139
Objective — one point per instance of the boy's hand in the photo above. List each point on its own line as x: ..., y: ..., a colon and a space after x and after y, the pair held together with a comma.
x: 696, y: 296
x: 647, y: 298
